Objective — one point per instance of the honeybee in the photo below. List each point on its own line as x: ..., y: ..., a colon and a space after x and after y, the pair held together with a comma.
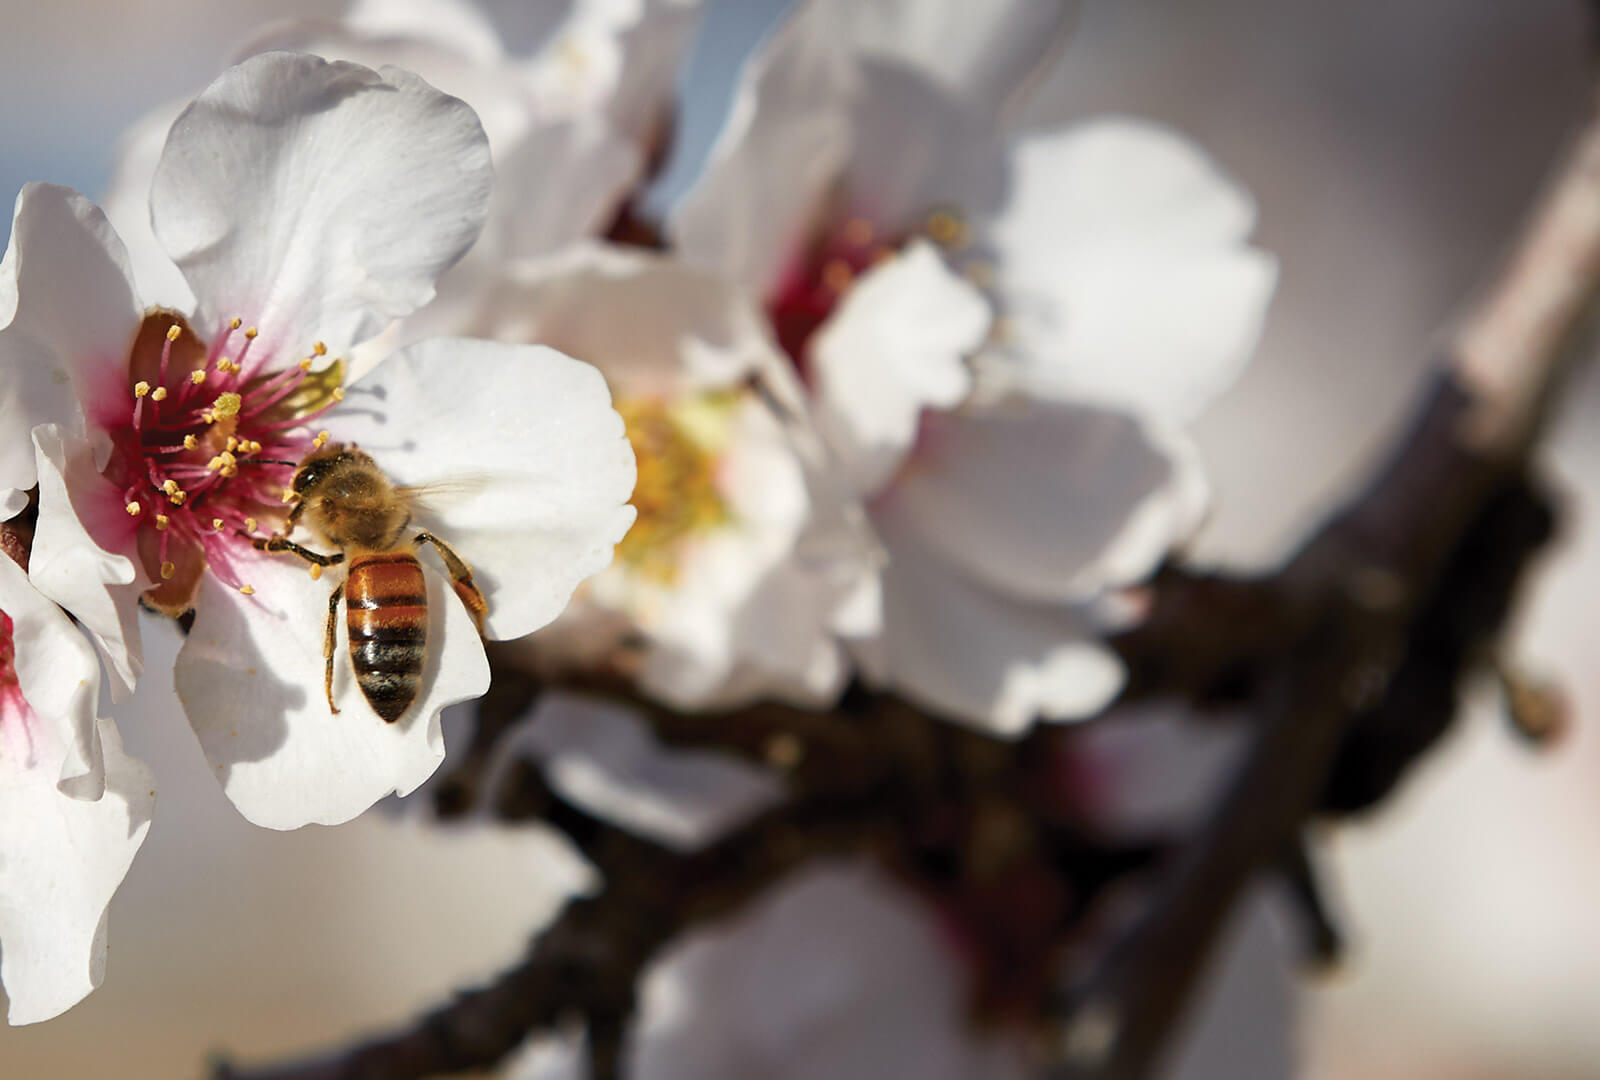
x: 347, y: 502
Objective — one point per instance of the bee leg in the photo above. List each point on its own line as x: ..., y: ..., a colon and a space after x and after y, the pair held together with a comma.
x: 278, y: 543
x: 460, y: 577
x: 328, y: 643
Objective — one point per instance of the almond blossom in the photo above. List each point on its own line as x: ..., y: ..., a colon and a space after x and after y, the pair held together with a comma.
x: 740, y: 567
x: 572, y: 126
x: 1000, y: 334
x: 74, y: 808
x: 307, y: 204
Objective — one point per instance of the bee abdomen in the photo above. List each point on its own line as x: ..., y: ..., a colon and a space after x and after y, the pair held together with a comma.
x: 386, y: 613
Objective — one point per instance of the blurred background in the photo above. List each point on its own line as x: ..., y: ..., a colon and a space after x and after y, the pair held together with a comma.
x: 1392, y: 149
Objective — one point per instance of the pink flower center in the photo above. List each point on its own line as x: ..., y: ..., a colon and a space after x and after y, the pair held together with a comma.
x: 818, y: 280
x: 204, y: 442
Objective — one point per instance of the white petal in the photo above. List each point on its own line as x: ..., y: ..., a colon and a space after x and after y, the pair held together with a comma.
x: 987, y: 53
x: 393, y: 32
x: 918, y: 148
x: 601, y: 756
x: 786, y: 141
x: 126, y: 201
x: 897, y: 344
x: 456, y: 24
x: 1046, y: 501
x: 318, y: 200
x: 250, y: 676
x: 59, y: 678
x: 622, y: 56
x: 534, y: 432
x: 82, y: 553
x: 837, y: 973
x: 12, y: 502
x: 74, y: 322
x: 970, y: 653
x: 61, y: 859
x: 564, y: 180
x: 1124, y: 271
x: 652, y: 324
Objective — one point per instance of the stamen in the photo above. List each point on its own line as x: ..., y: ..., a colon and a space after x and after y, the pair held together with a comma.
x: 167, y: 570
x: 321, y: 440
x: 158, y: 394
x: 177, y: 497
x: 216, y: 523
x: 250, y: 524
x: 233, y: 442
x: 858, y: 232
x: 320, y: 349
x: 190, y: 442
x: 338, y: 393
x: 174, y: 332
x: 170, y: 487
x: 251, y: 333
x: 233, y: 323
x: 141, y: 388
x: 837, y: 275
x: 227, y: 404
x: 162, y: 521
x: 305, y: 364
x: 197, y: 377
x: 248, y: 590
x: 134, y: 509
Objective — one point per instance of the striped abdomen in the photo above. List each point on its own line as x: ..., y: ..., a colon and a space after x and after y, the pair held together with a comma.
x: 386, y: 612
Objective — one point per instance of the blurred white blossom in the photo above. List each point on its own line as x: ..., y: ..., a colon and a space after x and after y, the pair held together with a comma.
x: 73, y: 807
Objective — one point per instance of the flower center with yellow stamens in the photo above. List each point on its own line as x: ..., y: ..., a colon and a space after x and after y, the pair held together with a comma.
x: 198, y: 442
x: 678, y: 447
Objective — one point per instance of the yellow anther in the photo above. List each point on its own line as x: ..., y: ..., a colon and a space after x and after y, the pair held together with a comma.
x: 305, y: 364
x: 158, y: 394
x: 233, y: 442
x: 141, y: 388
x: 224, y: 364
x: 228, y: 459
x: 316, y: 571
x: 162, y: 521
x: 255, y: 447
x: 177, y: 497
x: 227, y: 404
x: 338, y: 393
x: 170, y: 487
x: 321, y: 440
x: 191, y: 443
x: 214, y: 464
x: 837, y: 275
x: 288, y: 495
x: 947, y: 230
x: 858, y: 232
x: 134, y: 509
x: 233, y: 323
x: 230, y: 470
x: 167, y: 570
x: 250, y: 333
x: 320, y: 349
x: 248, y: 590
x: 173, y: 332
x: 250, y: 525
x: 197, y: 377
x: 216, y: 523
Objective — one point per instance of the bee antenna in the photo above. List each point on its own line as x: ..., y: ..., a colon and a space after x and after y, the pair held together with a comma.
x: 266, y: 461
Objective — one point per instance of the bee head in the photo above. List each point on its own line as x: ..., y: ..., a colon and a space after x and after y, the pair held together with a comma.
x: 319, y: 464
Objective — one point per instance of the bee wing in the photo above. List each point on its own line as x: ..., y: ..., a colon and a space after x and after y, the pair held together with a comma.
x: 442, y: 494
